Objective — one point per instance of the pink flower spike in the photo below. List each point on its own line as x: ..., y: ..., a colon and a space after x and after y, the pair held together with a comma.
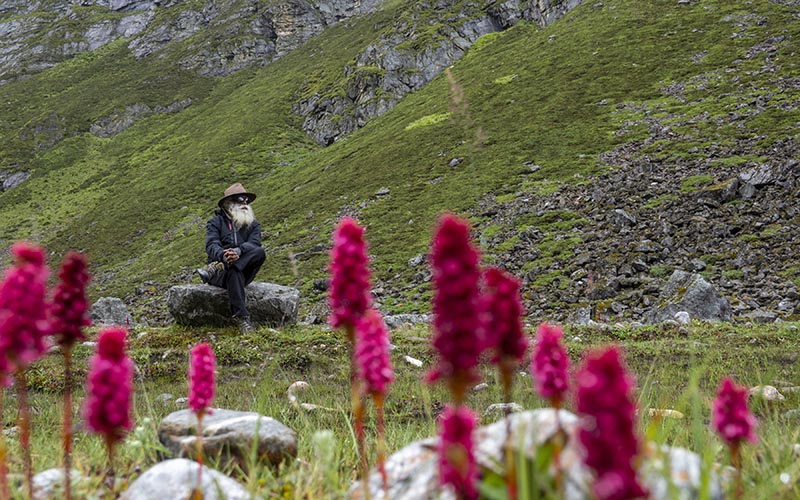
x: 457, y: 466
x: 458, y: 338
x: 202, y: 368
x: 549, y: 363
x: 349, y: 296
x: 69, y: 309
x: 107, y: 409
x: 730, y: 416
x: 504, y: 311
x: 23, y: 322
x: 372, y: 353
x: 607, y: 425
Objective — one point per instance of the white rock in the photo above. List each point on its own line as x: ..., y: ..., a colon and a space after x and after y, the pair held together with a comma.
x: 300, y: 385
x: 413, y: 361
x: 502, y: 408
x: 413, y: 470
x: 664, y: 413
x: 177, y: 477
x: 683, y: 317
x: 767, y: 392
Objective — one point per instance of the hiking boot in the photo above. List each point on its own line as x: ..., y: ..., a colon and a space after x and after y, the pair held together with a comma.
x: 212, y: 274
x: 245, y: 326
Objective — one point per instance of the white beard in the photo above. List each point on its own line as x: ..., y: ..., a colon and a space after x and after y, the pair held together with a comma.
x: 241, y: 215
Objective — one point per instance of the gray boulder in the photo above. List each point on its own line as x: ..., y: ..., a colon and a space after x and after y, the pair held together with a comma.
x: 50, y: 483
x: 177, y: 478
x: 15, y: 180
x: 197, y: 305
x: 229, y: 435
x: 690, y: 293
x: 110, y: 311
x: 413, y: 470
x: 401, y: 320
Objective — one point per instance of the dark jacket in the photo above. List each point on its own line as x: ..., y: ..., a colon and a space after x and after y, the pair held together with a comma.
x: 221, y: 234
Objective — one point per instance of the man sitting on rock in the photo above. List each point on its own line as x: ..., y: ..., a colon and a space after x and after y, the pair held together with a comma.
x: 233, y: 245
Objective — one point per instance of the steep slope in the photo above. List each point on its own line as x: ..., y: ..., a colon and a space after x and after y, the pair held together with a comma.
x: 539, y: 135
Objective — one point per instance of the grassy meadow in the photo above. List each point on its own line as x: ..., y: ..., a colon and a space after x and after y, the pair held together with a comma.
x: 676, y: 368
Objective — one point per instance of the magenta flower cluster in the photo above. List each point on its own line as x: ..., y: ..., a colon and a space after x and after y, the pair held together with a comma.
x: 730, y: 416
x: 607, y: 427
x: 349, y: 296
x: 457, y: 466
x: 107, y: 409
x: 23, y: 321
x: 456, y: 301
x: 69, y: 308
x: 202, y: 368
x: 503, y: 311
x: 372, y: 353
x: 550, y: 363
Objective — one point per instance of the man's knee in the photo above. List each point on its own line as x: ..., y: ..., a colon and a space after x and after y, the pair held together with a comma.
x: 259, y: 255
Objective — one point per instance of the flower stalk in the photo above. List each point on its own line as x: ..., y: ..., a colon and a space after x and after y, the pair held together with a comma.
x: 734, y: 423
x: 202, y: 385
x: 605, y: 403
x: 68, y: 316
x: 349, y: 298
x: 550, y: 373
x: 23, y: 325
x: 108, y: 405
x: 375, y: 368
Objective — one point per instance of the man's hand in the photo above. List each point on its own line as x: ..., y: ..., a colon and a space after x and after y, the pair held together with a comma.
x: 230, y: 256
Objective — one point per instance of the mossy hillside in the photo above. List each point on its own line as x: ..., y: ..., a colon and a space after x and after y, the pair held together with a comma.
x: 137, y: 202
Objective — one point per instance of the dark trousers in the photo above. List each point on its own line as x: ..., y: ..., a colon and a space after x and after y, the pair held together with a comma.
x: 240, y: 274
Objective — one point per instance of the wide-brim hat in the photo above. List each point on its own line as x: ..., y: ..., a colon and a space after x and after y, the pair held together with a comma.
x: 236, y: 190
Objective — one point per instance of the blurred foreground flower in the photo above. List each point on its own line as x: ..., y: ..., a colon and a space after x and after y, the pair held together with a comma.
x: 375, y: 367
x: 349, y: 299
x: 202, y: 367
x: 458, y: 338
x: 550, y: 364
x: 730, y: 416
x: 23, y: 326
x: 107, y: 409
x: 68, y: 316
x: 457, y: 467
x: 607, y: 434
x: 349, y: 296
x: 734, y: 423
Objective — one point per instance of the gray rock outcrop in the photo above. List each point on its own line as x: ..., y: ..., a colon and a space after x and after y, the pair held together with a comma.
x: 268, y: 303
x: 177, y: 478
x: 413, y: 470
x: 110, y: 311
x: 229, y: 435
x: 392, y: 67
x: 400, y: 320
x: 49, y: 484
x: 692, y: 294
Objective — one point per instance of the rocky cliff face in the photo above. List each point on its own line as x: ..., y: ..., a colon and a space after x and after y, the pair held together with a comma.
x: 36, y: 35
x: 401, y: 62
x: 215, y: 38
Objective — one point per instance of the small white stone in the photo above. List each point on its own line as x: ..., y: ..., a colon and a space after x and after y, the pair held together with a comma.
x: 768, y: 392
x: 502, y: 408
x: 413, y: 361
x: 683, y: 317
x: 480, y: 387
x: 664, y: 413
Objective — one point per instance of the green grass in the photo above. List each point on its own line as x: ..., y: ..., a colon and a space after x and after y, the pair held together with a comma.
x: 675, y: 368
